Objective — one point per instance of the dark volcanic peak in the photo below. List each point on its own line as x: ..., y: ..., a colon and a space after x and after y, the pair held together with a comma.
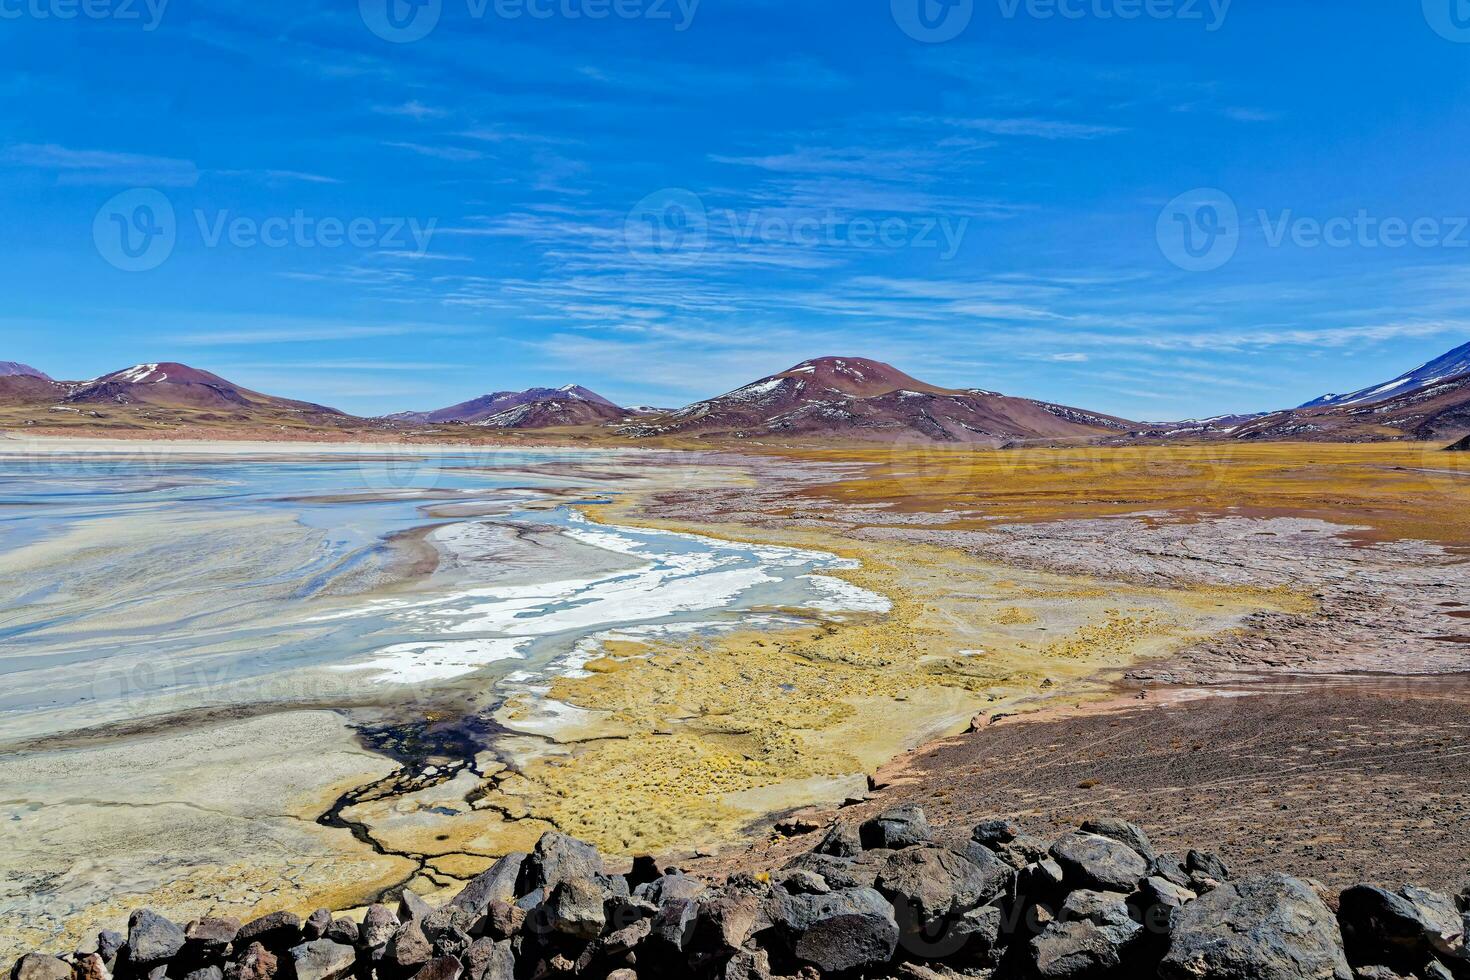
x: 487, y: 407
x: 551, y: 413
x: 14, y: 369
x: 1450, y: 365
x: 854, y: 397
x: 1433, y: 411
x: 169, y: 384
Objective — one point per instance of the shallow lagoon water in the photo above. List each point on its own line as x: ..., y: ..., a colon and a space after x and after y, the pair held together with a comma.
x: 132, y: 585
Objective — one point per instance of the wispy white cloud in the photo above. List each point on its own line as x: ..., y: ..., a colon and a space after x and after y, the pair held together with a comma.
x: 102, y: 166
x: 1047, y: 129
x: 412, y: 109
x: 454, y: 154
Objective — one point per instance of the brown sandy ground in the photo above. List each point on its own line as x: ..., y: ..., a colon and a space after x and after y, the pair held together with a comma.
x: 1344, y: 781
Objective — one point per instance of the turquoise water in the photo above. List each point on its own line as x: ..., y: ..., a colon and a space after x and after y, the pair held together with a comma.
x: 133, y: 585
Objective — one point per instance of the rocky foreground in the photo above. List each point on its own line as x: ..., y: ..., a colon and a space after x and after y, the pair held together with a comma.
x: 875, y: 900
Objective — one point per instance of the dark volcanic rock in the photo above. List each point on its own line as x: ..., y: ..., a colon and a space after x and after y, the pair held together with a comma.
x: 410, y: 947
x: 995, y: 832
x: 841, y: 931
x: 675, y: 922
x: 277, y: 931
x: 1124, y: 833
x: 315, y: 926
x: 209, y: 937
x: 843, y: 841
x: 343, y: 931
x: 1463, y: 446
x: 928, y: 884
x: 1402, y: 931
x: 558, y: 858
x: 904, y: 826
x: 411, y: 906
x: 1090, y: 937
x: 1268, y: 928
x: 576, y: 909
x: 152, y: 939
x: 378, y: 926
x: 205, y: 973
x: 670, y: 886
x: 490, y: 960
x: 1201, y: 864
x: 442, y: 968
x: 497, y: 884
x: 1099, y: 863
x: 109, y: 943
x: 322, y: 959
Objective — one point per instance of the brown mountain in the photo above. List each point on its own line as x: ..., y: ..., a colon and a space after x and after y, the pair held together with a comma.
x: 857, y: 398
x: 172, y: 385
x: 1436, y: 411
x: 12, y: 369
x: 164, y: 395
x: 555, y: 413
x: 27, y: 389
x: 479, y: 411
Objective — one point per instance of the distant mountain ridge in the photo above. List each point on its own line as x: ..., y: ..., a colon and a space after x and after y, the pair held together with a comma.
x: 15, y: 369
x: 1442, y: 368
x: 837, y: 398
x: 859, y: 398
x: 487, y: 408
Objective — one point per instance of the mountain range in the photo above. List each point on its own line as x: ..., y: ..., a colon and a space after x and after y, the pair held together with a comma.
x: 827, y: 398
x: 855, y: 397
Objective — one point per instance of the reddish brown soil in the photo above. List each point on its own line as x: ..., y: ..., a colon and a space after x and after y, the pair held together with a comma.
x: 1338, y: 780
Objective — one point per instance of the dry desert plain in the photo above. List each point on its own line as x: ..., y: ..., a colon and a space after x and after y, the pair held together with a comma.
x: 1258, y: 649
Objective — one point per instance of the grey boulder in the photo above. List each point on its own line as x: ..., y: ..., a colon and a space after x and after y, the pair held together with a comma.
x: 576, y: 909
x: 1124, y: 833
x: 841, y: 931
x: 1401, y: 930
x: 322, y: 959
x: 1090, y: 937
x: 927, y: 885
x: 152, y: 938
x: 904, y: 826
x: 1273, y: 927
x: 490, y: 960
x: 558, y: 858
x: 498, y: 884
x: 1098, y: 863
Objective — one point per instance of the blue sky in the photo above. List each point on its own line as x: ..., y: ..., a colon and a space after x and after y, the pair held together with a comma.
x: 671, y: 199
